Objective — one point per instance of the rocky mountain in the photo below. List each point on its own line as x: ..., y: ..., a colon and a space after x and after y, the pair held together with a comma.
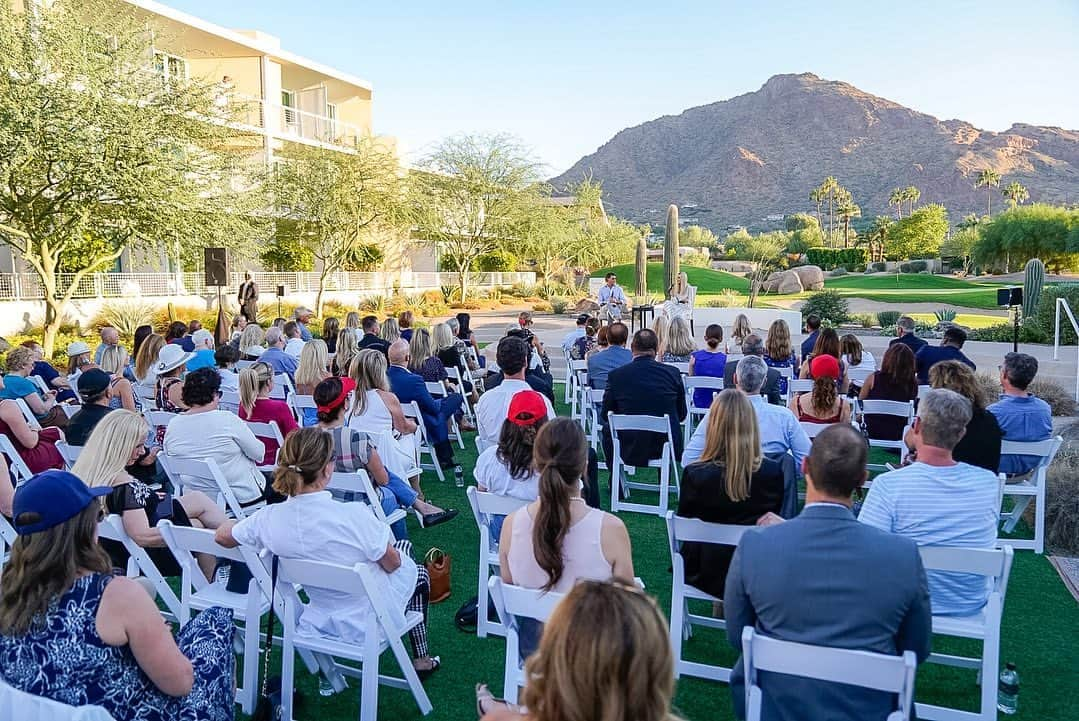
x: 751, y: 159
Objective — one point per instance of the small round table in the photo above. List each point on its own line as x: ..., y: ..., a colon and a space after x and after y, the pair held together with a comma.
x: 641, y: 310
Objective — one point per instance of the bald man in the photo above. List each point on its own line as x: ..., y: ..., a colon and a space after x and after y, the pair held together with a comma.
x: 408, y: 386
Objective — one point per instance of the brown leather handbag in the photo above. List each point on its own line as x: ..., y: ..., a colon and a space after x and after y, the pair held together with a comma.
x: 438, y: 564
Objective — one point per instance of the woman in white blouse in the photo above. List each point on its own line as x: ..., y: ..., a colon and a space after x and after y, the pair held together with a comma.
x: 377, y: 411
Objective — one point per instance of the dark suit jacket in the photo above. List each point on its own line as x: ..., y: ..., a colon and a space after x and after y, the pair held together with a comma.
x: 825, y: 579
x: 408, y: 386
x: 769, y: 389
x: 909, y: 340
x: 372, y: 341
x: 645, y: 387
x: 809, y: 342
x: 929, y: 355
x: 702, y: 496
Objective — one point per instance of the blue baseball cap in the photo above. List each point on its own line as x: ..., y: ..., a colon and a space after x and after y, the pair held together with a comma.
x: 55, y: 497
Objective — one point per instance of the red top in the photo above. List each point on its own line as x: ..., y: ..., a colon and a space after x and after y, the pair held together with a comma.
x: 266, y: 410
x: 804, y: 417
x: 41, y: 457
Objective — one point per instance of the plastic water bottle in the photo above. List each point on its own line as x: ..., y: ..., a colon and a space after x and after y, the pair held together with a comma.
x: 1008, y: 690
x: 459, y: 476
x: 325, y: 688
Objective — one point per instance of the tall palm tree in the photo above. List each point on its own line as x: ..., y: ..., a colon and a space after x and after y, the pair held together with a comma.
x: 896, y: 198
x: 878, y: 236
x: 830, y: 186
x: 817, y: 196
x: 988, y: 179
x: 847, y: 209
x: 1015, y: 193
x: 971, y: 220
x: 911, y: 194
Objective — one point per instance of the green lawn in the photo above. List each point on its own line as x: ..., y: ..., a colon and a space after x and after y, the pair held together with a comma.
x: 1040, y: 634
x: 708, y: 281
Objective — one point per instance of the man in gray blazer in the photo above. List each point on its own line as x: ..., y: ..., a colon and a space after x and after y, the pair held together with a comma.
x: 824, y: 579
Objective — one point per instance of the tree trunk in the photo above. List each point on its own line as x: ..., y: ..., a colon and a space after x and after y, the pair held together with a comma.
x: 989, y: 201
x: 54, y: 314
x: 321, y: 290
x: 462, y: 277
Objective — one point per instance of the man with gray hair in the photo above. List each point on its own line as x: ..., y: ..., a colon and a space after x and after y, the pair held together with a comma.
x: 275, y: 355
x: 779, y: 429
x: 937, y: 501
x: 904, y: 329
x: 1021, y: 416
x: 753, y: 345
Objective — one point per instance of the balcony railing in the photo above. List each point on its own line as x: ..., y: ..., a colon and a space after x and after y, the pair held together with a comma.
x: 285, y: 122
x: 27, y: 286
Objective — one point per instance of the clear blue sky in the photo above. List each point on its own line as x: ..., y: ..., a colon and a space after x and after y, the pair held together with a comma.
x: 564, y: 76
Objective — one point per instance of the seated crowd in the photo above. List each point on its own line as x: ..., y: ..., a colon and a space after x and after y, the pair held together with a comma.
x: 370, y: 397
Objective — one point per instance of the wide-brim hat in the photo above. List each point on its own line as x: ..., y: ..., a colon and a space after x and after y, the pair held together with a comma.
x: 77, y: 348
x: 170, y: 357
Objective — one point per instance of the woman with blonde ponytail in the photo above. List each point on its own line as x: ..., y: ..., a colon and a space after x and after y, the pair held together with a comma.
x: 256, y: 382
x: 557, y: 540
x: 311, y: 525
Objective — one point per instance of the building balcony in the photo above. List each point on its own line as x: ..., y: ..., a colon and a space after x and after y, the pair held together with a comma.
x: 281, y: 122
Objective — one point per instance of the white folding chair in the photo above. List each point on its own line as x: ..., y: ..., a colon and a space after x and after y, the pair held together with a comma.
x: 437, y: 390
x: 679, y: 531
x: 995, y: 565
x: 1032, y: 487
x: 385, y: 628
x: 241, y: 364
x: 70, y: 409
x: 794, y: 385
x: 147, y: 395
x: 682, y: 368
x: 922, y: 390
x: 16, y: 704
x: 206, y: 476
x: 21, y: 473
x: 865, y: 669
x: 282, y: 386
x: 40, y: 383
x: 567, y: 385
x: 229, y: 401
x: 31, y: 419
x: 454, y: 375
x: 898, y: 409
x: 299, y: 403
x: 858, y: 376
x: 593, y: 427
x: 513, y: 602
x: 666, y: 463
x: 70, y: 453
x: 198, y: 594
x: 158, y: 419
x: 812, y: 430
x: 484, y: 505
x: 578, y: 375
x: 139, y: 563
x: 482, y: 444
x: 360, y: 482
x: 268, y: 431
x: 412, y: 410
x: 692, y: 383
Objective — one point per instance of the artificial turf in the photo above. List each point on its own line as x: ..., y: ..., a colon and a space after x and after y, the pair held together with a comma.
x: 1040, y: 633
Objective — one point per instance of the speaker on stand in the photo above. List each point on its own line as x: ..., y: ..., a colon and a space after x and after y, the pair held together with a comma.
x: 1013, y: 298
x: 216, y: 271
x: 280, y: 295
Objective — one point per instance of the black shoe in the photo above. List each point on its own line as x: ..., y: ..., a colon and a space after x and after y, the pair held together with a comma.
x: 424, y: 673
x: 433, y: 519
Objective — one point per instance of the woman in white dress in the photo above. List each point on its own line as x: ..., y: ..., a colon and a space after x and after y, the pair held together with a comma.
x: 377, y: 411
x: 678, y: 305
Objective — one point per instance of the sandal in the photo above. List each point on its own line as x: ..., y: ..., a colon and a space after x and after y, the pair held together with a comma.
x: 424, y: 673
x: 486, y: 701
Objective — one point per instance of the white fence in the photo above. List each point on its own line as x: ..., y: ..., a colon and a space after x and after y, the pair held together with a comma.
x: 27, y: 286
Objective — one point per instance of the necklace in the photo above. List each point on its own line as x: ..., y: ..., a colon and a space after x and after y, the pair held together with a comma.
x: 577, y: 499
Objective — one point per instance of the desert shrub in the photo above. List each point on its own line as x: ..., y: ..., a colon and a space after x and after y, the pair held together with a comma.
x: 829, y: 305
x: 559, y: 305
x: 466, y: 305
x: 1062, y: 504
x: 1003, y: 333
x: 945, y: 316
x: 918, y: 266
x: 1061, y: 401
x: 697, y: 259
x: 542, y: 307
x: 988, y: 387
x: 887, y: 318
x: 728, y: 298
x: 878, y: 267
x: 863, y: 319
x: 1045, y: 317
x: 123, y: 316
x: 838, y: 272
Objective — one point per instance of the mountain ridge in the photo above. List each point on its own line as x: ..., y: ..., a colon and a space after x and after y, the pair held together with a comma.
x: 749, y: 158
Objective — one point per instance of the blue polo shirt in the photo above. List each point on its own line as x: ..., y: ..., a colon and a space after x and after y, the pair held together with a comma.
x: 929, y: 355
x: 1022, y: 418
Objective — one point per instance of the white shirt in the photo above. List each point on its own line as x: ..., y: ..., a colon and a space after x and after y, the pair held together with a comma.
x: 294, y: 347
x: 573, y: 335
x: 315, y: 527
x: 493, y: 475
x: 939, y: 506
x: 494, y: 405
x: 223, y: 437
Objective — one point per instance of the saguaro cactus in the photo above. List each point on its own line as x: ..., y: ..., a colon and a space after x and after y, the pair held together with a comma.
x: 670, y: 252
x: 641, y: 288
x: 1033, y: 280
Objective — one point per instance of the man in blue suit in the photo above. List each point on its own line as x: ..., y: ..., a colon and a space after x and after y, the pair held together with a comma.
x: 408, y: 386
x: 825, y: 579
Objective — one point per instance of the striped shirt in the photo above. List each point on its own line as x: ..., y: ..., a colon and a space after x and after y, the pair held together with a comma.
x: 939, y: 506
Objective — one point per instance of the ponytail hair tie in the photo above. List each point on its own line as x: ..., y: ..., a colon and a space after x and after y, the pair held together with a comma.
x: 297, y: 469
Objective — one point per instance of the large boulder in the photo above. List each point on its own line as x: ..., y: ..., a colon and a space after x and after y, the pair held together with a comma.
x: 782, y: 281
x: 811, y: 276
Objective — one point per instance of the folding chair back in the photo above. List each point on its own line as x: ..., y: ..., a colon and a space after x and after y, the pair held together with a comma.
x: 230, y: 401
x: 15, y: 462
x: 358, y: 482
x: 454, y: 375
x: 158, y: 419
x: 692, y: 383
x: 268, y: 431
x: 384, y: 630
x: 578, y: 376
x: 70, y: 453
x: 679, y: 531
x: 40, y: 383
x: 438, y: 390
x: 31, y: 419
x: 484, y: 505
x: 513, y: 602
x: 112, y: 527
x: 241, y: 364
x: 70, y: 409
x: 682, y: 368
x: 922, y: 390
x: 1030, y: 488
x: 995, y: 565
x: 813, y: 429
x: 423, y: 446
x: 147, y: 395
x: 299, y: 403
x: 877, y: 671
x: 794, y: 385
x: 898, y: 409
x: 206, y: 476
x: 666, y: 463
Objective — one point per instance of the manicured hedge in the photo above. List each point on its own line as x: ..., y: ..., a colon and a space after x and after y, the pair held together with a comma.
x: 853, y: 259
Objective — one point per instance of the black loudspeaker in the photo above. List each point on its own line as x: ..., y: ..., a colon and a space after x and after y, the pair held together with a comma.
x: 280, y: 291
x: 216, y: 262
x: 1010, y: 296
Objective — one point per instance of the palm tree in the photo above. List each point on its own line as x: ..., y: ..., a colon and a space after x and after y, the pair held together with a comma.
x: 988, y: 179
x: 912, y: 194
x: 830, y: 186
x: 971, y: 220
x: 846, y: 209
x: 817, y: 196
x: 878, y: 236
x: 896, y: 199
x: 1015, y: 193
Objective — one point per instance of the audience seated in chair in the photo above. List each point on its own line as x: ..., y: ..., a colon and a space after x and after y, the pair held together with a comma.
x: 371, y: 339
x: 874, y: 598
x: 535, y: 375
x: 823, y: 404
x: 494, y: 404
x: 46, y: 372
x: 376, y: 410
x: 256, y: 383
x: 310, y: 525
x: 552, y: 542
x: 950, y: 349
x: 980, y: 445
x: 59, y: 597
x: 275, y: 355
x: 904, y: 329
x: 895, y: 381
x: 752, y: 345
x: 827, y: 344
x: 19, y: 364
x: 36, y: 448
x: 732, y: 483
x: 1021, y: 416
x: 95, y: 391
x: 617, y: 355
x: 936, y: 501
x: 293, y: 342
x: 312, y: 370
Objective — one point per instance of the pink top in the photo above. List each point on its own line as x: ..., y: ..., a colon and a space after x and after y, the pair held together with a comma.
x: 271, y: 409
x: 582, y: 553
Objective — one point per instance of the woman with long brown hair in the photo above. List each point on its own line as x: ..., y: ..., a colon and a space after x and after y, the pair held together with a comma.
x: 733, y: 482
x: 823, y: 404
x: 895, y: 381
x: 558, y: 539
x: 146, y: 359
x: 827, y: 344
x: 72, y: 632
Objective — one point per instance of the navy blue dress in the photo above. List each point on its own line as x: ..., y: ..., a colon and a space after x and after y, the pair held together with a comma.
x: 62, y: 658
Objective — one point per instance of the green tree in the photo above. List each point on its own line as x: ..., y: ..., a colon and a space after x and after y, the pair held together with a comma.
x: 919, y: 234
x: 896, y: 198
x: 696, y: 236
x: 817, y: 196
x: 988, y: 179
x: 1015, y: 193
x: 338, y: 203
x: 847, y: 210
x: 960, y: 244
x: 911, y: 195
x: 287, y: 254
x: 98, y: 154
x: 877, y: 237
x: 1030, y: 231
x: 474, y: 193
x: 765, y: 250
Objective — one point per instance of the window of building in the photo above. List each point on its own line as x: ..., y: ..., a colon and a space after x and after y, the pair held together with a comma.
x: 288, y: 102
x: 171, y: 68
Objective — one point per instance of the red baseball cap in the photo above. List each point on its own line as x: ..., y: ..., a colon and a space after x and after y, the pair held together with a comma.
x: 347, y: 386
x: 824, y: 366
x: 526, y: 408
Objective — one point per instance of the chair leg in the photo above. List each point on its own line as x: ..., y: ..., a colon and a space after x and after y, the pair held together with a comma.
x: 677, y: 628
x: 481, y: 595
x: 287, y: 678
x: 409, y: 672
x: 1039, y: 518
x: 251, y: 664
